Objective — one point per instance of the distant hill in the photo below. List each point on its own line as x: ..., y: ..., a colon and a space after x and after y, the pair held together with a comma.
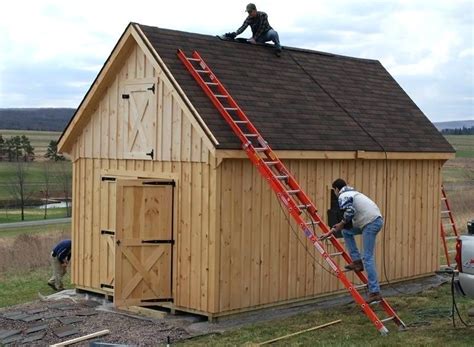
x: 458, y: 124
x: 43, y: 119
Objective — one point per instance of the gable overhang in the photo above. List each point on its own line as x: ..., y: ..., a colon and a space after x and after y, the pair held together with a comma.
x: 131, y: 36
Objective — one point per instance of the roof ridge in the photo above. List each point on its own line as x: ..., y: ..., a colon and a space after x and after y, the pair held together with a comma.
x: 295, y: 49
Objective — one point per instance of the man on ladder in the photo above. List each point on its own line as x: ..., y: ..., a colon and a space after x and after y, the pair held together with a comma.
x: 367, y: 220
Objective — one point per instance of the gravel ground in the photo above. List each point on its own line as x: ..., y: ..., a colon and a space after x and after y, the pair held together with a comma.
x: 124, y: 329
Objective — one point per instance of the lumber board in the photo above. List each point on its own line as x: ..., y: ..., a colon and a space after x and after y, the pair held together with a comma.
x: 81, y: 338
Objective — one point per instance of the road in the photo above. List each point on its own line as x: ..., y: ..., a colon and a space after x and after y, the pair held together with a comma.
x: 34, y: 223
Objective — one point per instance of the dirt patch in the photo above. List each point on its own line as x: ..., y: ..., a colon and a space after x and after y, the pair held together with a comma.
x: 87, y: 317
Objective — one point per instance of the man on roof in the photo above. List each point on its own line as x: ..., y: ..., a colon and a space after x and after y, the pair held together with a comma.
x: 261, y: 30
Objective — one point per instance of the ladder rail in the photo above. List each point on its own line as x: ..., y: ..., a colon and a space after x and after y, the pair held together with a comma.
x: 277, y: 181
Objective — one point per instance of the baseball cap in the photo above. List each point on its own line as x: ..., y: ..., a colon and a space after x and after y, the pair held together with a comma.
x: 250, y: 7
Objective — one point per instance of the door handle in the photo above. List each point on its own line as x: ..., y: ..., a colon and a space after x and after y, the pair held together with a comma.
x: 117, y: 242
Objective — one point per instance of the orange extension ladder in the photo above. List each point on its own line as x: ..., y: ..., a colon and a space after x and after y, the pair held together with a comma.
x: 288, y: 191
x: 445, y: 236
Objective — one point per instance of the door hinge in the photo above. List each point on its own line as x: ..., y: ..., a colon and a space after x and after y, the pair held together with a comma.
x: 151, y: 154
x: 125, y: 96
x: 109, y: 179
x: 152, y: 88
x: 158, y: 241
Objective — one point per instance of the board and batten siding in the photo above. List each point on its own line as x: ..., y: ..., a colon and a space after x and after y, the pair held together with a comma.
x: 181, y: 154
x: 177, y: 136
x: 260, y: 259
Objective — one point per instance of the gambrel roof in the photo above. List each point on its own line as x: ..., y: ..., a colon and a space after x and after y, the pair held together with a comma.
x: 304, y: 100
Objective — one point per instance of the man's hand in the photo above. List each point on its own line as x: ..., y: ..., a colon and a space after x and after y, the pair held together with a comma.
x: 230, y: 35
x: 327, y: 235
x: 252, y: 41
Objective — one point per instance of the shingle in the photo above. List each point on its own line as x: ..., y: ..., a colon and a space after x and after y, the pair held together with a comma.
x: 305, y: 99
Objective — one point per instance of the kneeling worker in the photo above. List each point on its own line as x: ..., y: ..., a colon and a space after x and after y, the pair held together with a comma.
x: 60, y: 257
x: 367, y: 220
x: 261, y: 30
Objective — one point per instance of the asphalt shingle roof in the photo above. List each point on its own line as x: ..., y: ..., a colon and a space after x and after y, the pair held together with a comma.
x: 305, y: 100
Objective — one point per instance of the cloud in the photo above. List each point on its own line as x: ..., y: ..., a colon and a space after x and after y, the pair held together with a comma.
x: 52, y: 53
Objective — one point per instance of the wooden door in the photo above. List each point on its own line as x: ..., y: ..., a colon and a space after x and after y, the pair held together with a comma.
x: 139, y: 117
x: 144, y: 242
x: 107, y: 233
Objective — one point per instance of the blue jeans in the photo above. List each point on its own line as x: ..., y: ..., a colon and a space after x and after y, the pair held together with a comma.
x: 369, y: 232
x: 270, y: 35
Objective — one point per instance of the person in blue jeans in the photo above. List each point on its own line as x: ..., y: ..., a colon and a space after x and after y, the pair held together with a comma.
x: 60, y: 257
x: 261, y: 30
x: 366, y: 220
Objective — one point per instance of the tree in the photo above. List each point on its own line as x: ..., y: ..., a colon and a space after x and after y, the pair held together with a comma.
x: 46, y: 186
x: 14, y: 148
x: 2, y: 147
x: 18, y: 187
x: 28, y: 150
x: 52, y: 152
x: 65, y: 181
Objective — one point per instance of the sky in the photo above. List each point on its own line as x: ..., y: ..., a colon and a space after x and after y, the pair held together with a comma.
x: 51, y: 50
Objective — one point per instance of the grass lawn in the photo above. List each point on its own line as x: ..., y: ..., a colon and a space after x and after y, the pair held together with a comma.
x: 427, y: 315
x: 31, y: 230
x: 17, y: 288
x: 10, y: 216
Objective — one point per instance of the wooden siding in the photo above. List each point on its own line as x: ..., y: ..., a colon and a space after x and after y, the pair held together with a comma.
x: 260, y: 259
x: 177, y: 136
x: 94, y: 210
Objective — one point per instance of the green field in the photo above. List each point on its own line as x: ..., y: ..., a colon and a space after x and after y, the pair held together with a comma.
x: 464, y: 145
x: 33, y: 230
x: 39, y: 139
x: 34, y: 177
x: 14, y: 215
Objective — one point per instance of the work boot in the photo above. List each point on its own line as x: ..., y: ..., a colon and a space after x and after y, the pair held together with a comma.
x: 52, y: 286
x: 356, y: 265
x: 374, y: 297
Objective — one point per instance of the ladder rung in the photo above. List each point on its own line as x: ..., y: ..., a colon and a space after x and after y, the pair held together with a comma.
x: 203, y: 71
x: 261, y: 149
x: 295, y: 191
x: 442, y: 199
x: 283, y: 177
x: 360, y: 286
x: 193, y: 59
x: 230, y: 108
x: 211, y: 83
x: 335, y: 253
x: 240, y: 121
x: 452, y: 251
x: 447, y: 211
x: 251, y: 135
x: 221, y: 96
x: 271, y: 162
x: 312, y: 222
x: 304, y: 206
x: 387, y: 319
x: 451, y: 237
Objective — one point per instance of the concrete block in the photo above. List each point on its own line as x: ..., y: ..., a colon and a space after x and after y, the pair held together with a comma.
x: 11, y: 339
x: 32, y: 318
x: 7, y: 333
x: 36, y: 327
x: 38, y: 310
x: 70, y: 320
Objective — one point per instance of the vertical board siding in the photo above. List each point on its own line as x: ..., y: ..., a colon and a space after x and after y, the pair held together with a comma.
x: 105, y: 135
x: 262, y: 260
x: 94, y: 210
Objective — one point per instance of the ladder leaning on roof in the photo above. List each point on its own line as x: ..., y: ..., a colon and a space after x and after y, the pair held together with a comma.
x: 446, y: 214
x: 283, y: 184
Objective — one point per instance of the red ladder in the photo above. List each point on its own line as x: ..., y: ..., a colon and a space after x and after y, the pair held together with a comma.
x: 447, y: 214
x: 282, y: 182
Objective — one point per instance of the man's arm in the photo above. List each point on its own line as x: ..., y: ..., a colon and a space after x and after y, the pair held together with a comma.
x: 346, y: 203
x: 242, y: 28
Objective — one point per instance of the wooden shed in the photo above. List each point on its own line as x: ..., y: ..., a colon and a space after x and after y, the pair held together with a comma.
x: 167, y: 209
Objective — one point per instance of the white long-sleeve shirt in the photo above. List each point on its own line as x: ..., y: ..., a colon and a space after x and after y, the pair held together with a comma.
x: 357, y: 207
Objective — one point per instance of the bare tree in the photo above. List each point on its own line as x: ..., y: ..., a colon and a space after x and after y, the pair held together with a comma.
x: 18, y: 189
x: 65, y: 181
x: 46, y: 186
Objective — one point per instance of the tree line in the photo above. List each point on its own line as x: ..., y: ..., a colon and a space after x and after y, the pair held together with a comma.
x: 458, y: 131
x: 19, y: 148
